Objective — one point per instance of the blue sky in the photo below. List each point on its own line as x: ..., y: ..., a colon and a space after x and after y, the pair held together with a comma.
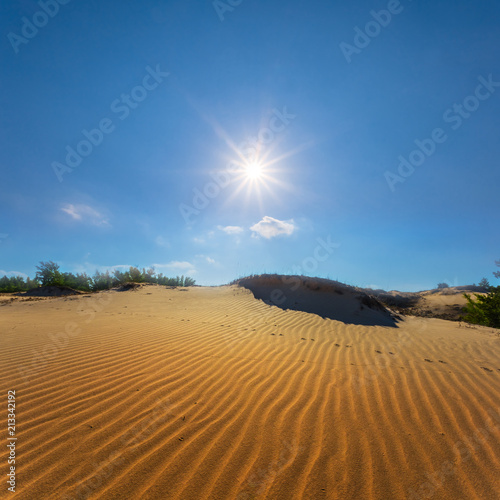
x: 131, y: 133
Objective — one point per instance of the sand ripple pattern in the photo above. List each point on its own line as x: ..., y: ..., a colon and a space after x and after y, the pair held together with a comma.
x: 211, y: 394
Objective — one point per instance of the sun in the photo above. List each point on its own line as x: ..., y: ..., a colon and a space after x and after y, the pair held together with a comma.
x: 253, y: 170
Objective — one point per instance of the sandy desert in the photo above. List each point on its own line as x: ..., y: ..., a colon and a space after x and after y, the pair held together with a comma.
x: 210, y: 393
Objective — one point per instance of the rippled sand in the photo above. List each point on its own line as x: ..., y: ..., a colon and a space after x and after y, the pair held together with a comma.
x: 208, y: 393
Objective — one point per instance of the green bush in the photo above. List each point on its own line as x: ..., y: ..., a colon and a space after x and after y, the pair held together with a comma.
x: 48, y: 274
x: 484, y: 309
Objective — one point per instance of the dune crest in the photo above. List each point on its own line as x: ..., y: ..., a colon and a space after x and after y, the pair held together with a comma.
x: 326, y: 298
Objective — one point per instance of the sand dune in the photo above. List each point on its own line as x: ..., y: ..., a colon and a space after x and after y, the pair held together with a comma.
x: 326, y: 298
x: 446, y: 303
x: 209, y: 393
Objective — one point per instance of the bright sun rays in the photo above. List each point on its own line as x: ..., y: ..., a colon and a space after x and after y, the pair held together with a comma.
x: 253, y: 170
x: 259, y: 175
x: 257, y: 178
x: 256, y: 171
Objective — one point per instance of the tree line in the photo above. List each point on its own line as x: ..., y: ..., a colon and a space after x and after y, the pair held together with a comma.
x: 49, y: 274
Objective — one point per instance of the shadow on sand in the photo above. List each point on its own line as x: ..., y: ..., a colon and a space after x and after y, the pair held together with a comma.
x: 326, y: 298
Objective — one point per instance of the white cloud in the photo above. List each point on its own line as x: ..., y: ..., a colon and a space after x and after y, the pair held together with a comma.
x: 205, y: 258
x: 85, y: 213
x: 176, y: 266
x: 269, y: 227
x: 231, y: 229
x: 12, y: 273
x: 202, y: 239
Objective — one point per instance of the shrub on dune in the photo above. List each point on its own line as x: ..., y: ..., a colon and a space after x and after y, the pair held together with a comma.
x: 484, y: 309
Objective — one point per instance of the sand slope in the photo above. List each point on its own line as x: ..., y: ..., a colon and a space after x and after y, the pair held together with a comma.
x: 447, y: 303
x: 211, y: 394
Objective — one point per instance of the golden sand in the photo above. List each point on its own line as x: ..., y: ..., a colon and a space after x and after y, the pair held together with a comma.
x: 208, y: 393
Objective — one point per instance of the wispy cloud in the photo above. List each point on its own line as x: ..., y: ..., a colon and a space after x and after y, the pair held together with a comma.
x: 12, y: 273
x: 203, y: 259
x: 202, y: 239
x: 176, y: 266
x: 269, y: 227
x: 85, y: 213
x: 231, y: 229
x: 162, y: 242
